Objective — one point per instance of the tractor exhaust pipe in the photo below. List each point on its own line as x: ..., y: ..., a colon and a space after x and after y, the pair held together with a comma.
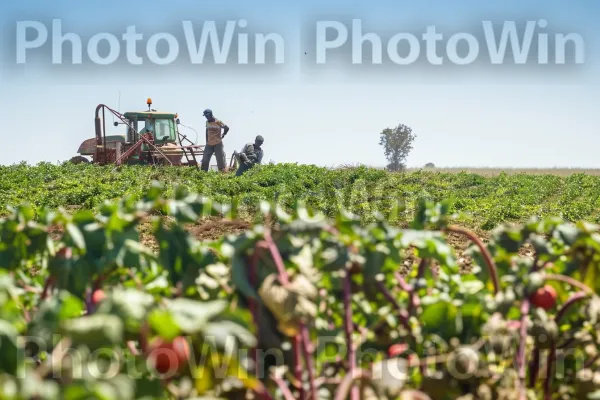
x: 98, y: 131
x: 98, y: 125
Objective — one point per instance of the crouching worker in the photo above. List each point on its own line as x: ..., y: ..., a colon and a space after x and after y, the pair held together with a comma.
x: 251, y: 154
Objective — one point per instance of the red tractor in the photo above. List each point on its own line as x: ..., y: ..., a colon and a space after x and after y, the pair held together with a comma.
x: 151, y: 138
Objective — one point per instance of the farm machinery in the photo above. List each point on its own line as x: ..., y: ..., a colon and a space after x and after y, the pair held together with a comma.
x: 151, y: 138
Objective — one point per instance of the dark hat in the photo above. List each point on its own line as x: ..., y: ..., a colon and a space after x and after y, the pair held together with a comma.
x: 259, y: 138
x: 207, y: 111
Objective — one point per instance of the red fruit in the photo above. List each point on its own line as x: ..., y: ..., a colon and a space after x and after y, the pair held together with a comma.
x: 65, y: 252
x: 397, y: 349
x: 98, y: 296
x: 168, y: 357
x: 544, y: 297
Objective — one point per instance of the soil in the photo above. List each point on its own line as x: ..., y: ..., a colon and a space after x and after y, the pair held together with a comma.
x: 208, y: 229
x: 213, y: 228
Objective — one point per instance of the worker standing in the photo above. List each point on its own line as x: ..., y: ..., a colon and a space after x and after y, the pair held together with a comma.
x: 214, y: 141
x: 251, y: 154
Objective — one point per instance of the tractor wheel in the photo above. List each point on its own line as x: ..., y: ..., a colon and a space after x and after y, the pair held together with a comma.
x: 79, y: 160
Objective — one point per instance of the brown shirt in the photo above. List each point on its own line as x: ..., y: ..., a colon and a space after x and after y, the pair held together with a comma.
x: 214, y: 132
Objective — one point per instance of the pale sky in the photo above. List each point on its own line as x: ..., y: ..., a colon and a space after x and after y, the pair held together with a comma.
x: 474, y: 115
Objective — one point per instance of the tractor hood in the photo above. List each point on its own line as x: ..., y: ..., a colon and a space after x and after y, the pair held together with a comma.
x: 88, y: 147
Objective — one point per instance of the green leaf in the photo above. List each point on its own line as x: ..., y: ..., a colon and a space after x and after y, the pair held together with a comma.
x: 591, y: 275
x: 568, y: 233
x: 439, y: 317
x: 594, y: 395
x: 239, y: 277
x: 472, y: 287
x: 540, y: 245
x: 510, y: 239
x: 76, y: 235
x: 193, y: 316
x: 118, y: 387
x: 10, y: 352
x: 94, y: 331
x: 164, y: 324
x: 148, y: 389
x: 34, y: 387
x: 131, y: 305
x: 305, y: 263
x: 221, y: 332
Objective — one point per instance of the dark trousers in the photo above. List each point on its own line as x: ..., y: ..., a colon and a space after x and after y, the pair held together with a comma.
x: 219, y: 153
x: 242, y: 168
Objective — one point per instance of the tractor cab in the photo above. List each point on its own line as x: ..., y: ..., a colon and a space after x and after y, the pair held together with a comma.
x: 162, y: 125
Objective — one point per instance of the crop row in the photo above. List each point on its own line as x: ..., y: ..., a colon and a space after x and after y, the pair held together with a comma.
x: 482, y: 202
x: 301, y: 307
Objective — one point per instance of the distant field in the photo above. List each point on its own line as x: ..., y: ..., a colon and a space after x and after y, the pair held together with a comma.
x: 512, y: 171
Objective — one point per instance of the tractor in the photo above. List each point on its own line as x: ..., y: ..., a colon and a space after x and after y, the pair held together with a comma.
x: 151, y: 138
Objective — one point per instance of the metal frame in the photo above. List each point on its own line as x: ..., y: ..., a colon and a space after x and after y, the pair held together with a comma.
x: 188, y: 151
x: 103, y: 154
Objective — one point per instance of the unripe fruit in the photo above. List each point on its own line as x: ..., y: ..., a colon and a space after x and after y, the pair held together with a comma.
x: 168, y: 357
x: 544, y: 297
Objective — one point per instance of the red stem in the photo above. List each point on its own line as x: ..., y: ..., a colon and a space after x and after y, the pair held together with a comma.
x: 285, y: 391
x: 422, y: 267
x: 253, y: 306
x: 283, y: 275
x: 297, y: 349
x: 570, y: 281
x: 568, y: 304
x: 132, y: 349
x: 304, y: 339
x: 534, y: 368
x: 89, y: 307
x: 486, y: 254
x: 143, y: 338
x: 354, y: 393
x: 47, y: 285
x: 552, y: 354
x: 263, y: 394
x: 549, y: 369
x: 401, y: 313
x: 591, y: 361
x: 403, y: 284
x: 102, y: 277
x: 521, y: 353
x: 413, y: 297
x: 343, y: 388
x: 309, y: 362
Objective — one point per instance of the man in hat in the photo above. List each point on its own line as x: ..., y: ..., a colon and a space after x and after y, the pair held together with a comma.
x: 251, y: 154
x: 214, y: 141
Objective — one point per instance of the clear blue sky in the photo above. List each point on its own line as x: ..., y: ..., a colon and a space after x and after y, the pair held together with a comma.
x: 480, y: 114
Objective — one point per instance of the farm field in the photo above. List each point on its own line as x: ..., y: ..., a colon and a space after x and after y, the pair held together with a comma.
x: 480, y: 200
x: 171, y: 283
x: 512, y: 171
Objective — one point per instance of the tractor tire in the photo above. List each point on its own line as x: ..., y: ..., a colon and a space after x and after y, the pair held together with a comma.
x: 79, y: 160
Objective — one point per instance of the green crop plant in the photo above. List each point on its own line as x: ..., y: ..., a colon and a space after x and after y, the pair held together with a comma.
x: 301, y: 305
